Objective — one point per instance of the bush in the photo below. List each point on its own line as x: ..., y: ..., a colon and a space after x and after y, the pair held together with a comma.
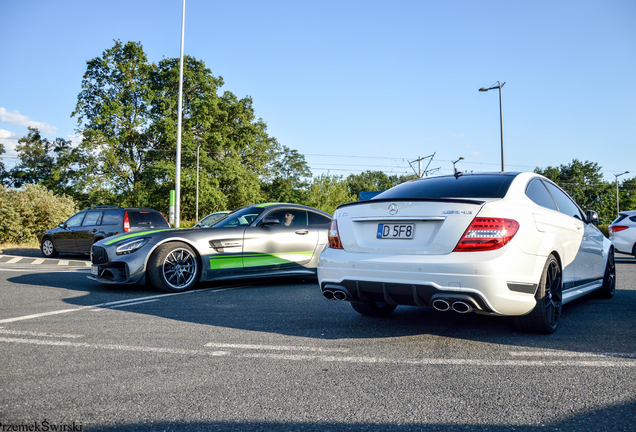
x: 27, y: 211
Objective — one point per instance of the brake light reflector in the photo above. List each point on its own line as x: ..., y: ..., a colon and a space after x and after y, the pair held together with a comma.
x: 616, y: 228
x: 126, y: 222
x: 486, y: 234
x: 334, y: 236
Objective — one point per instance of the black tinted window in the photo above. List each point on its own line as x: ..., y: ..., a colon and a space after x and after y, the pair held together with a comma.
x: 290, y: 217
x: 76, y: 220
x: 145, y: 218
x: 619, y: 218
x: 92, y: 218
x: 465, y: 186
x: 537, y: 192
x: 566, y: 205
x: 316, y: 219
x: 633, y: 218
x: 112, y: 217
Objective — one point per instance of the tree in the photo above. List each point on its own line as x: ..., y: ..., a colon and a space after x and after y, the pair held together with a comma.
x: 583, y: 181
x: 42, y: 162
x: 113, y: 114
x: 2, y: 170
x: 626, y: 194
x: 328, y: 192
x: 287, y: 176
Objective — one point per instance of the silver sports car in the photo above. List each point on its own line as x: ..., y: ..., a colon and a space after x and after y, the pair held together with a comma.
x: 260, y: 240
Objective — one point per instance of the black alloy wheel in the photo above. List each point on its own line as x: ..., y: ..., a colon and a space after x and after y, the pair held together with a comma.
x: 545, y: 316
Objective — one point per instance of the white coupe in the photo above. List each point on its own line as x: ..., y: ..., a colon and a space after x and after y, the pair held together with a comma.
x: 511, y: 244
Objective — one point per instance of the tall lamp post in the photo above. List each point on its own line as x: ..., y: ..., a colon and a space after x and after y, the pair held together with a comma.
x: 617, y: 176
x: 197, y: 206
x: 499, y: 86
x: 454, y: 162
x: 177, y: 179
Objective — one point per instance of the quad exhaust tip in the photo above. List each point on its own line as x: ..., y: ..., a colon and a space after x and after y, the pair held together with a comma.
x: 443, y: 305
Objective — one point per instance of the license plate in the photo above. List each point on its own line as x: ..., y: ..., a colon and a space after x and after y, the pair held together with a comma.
x: 95, y: 270
x: 395, y: 231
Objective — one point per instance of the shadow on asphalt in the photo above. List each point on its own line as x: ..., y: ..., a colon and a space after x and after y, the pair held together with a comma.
x: 614, y: 418
x: 297, y: 308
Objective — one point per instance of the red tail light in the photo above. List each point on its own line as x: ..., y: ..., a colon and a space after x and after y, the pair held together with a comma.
x: 616, y: 228
x: 126, y: 222
x: 334, y: 236
x: 486, y: 234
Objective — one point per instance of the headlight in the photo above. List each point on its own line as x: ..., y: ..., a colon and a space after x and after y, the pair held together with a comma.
x: 131, y: 246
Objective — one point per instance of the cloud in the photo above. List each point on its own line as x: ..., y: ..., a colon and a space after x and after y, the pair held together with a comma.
x: 476, y: 153
x: 460, y: 135
x: 16, y: 118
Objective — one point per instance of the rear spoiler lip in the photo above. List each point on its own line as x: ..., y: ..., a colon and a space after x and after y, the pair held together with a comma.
x: 446, y: 200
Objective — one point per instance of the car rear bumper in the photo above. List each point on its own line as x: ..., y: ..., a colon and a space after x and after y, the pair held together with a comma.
x: 501, y: 282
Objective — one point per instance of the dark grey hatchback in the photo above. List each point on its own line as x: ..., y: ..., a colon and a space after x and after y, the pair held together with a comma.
x: 81, y: 230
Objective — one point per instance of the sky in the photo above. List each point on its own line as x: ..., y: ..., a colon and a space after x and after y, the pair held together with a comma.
x: 360, y: 85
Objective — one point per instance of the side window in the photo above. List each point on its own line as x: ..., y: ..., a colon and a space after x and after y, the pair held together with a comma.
x: 537, y: 192
x: 291, y: 217
x: 566, y: 205
x: 633, y: 218
x: 315, y: 219
x: 112, y: 217
x: 92, y: 218
x: 76, y: 220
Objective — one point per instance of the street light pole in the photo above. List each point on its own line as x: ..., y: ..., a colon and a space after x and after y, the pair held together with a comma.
x: 617, y: 176
x: 177, y: 180
x: 197, y: 205
x: 499, y: 86
x: 454, y: 162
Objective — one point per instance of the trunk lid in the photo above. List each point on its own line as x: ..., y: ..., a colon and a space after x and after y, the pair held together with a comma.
x: 435, y: 225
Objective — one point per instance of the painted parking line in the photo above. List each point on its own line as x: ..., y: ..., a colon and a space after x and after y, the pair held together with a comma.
x: 333, y: 359
x: 570, y: 354
x: 39, y: 334
x: 14, y: 260
x: 110, y: 305
x: 38, y: 261
x: 63, y: 263
x: 275, y: 347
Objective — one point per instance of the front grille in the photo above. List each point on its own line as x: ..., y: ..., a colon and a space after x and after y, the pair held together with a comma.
x: 99, y: 255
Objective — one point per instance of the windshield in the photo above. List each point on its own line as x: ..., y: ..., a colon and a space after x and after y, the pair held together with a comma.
x: 465, y: 186
x: 211, y: 219
x: 241, y: 217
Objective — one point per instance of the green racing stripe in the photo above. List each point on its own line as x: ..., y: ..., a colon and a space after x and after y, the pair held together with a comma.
x: 256, y: 259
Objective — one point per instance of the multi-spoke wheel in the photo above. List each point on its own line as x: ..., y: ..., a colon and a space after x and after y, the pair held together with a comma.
x: 546, y: 315
x: 373, y: 308
x: 48, y: 248
x: 173, y: 267
x: 609, y: 279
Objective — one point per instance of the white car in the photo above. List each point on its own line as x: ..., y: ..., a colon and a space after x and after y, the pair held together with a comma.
x: 511, y: 244
x: 623, y: 232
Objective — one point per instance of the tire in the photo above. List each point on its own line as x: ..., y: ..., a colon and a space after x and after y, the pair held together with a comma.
x: 173, y: 267
x: 48, y: 248
x: 609, y: 279
x: 374, y: 309
x: 546, y: 315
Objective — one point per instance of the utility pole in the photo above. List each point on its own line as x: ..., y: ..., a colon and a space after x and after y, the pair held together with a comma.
x: 419, y: 173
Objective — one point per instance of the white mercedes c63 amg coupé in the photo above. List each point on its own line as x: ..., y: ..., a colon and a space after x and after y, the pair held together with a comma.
x: 511, y: 244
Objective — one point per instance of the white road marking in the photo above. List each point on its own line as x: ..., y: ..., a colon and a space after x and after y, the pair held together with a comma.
x: 132, y: 304
x: 38, y: 261
x: 29, y: 333
x: 106, y: 305
x: 14, y: 260
x: 275, y: 347
x: 22, y: 318
x: 88, y: 264
x: 331, y: 359
x: 63, y: 263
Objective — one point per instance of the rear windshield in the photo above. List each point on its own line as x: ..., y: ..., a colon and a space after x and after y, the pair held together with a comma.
x: 145, y: 218
x: 465, y: 186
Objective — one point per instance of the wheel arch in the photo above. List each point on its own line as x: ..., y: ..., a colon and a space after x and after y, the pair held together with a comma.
x: 176, y: 240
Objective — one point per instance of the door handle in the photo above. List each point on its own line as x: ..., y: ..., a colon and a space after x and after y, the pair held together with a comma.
x: 302, y: 232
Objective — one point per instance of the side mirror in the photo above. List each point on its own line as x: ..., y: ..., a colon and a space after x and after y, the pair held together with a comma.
x: 592, y: 216
x: 62, y: 225
x: 269, y: 220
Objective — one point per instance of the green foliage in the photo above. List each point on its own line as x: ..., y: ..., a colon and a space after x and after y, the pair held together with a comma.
x: 33, y: 208
x: 583, y: 181
x: 328, y: 192
x: 370, y: 181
